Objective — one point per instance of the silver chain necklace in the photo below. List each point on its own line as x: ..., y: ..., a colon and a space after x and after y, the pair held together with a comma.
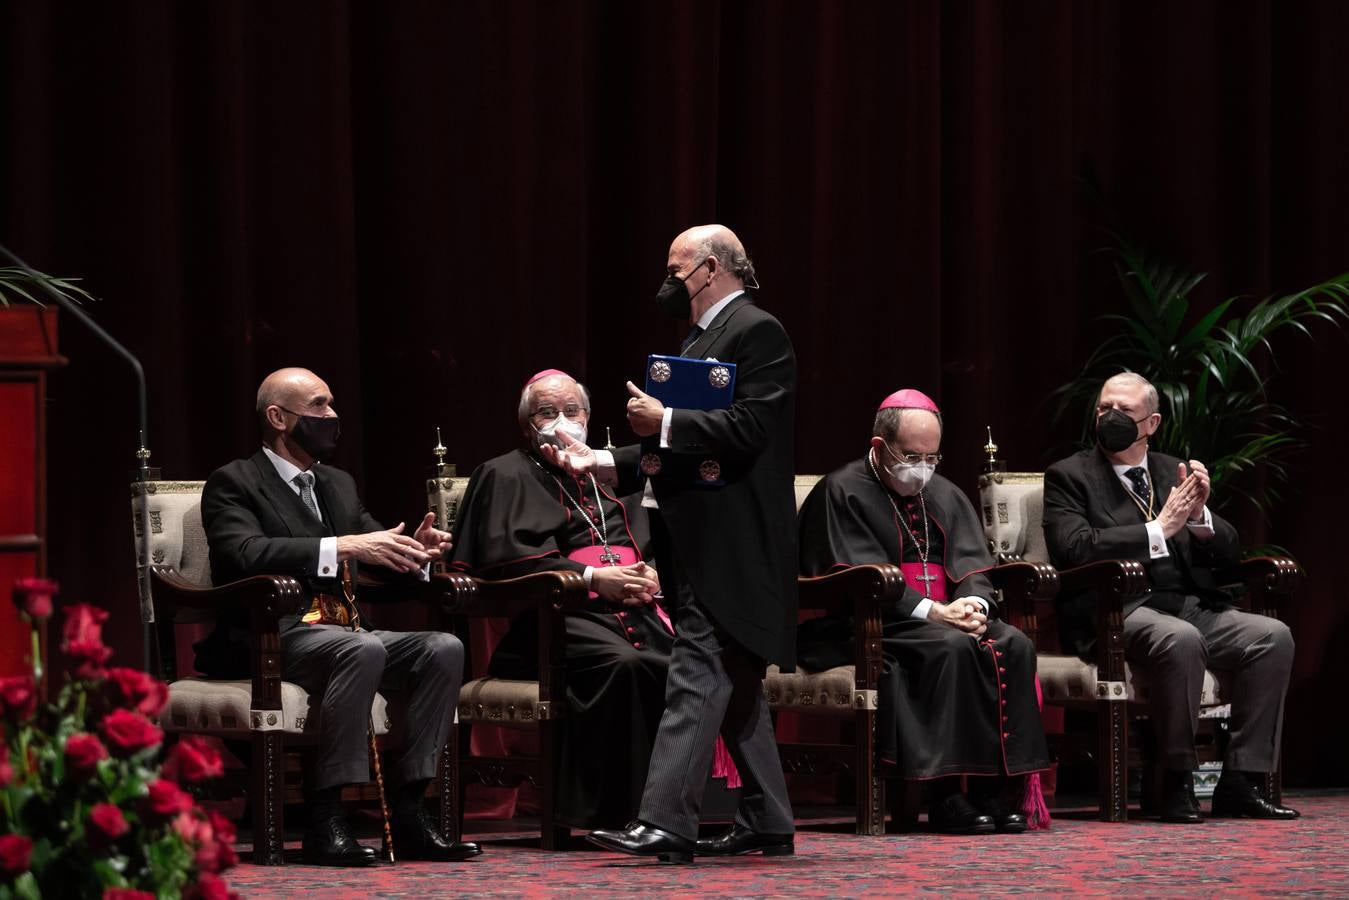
x: 923, y: 548
x: 608, y: 556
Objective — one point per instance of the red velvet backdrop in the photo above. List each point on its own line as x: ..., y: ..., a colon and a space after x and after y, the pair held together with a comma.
x: 425, y: 202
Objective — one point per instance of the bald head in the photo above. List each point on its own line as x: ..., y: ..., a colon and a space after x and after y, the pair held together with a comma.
x: 712, y: 263
x: 293, y: 390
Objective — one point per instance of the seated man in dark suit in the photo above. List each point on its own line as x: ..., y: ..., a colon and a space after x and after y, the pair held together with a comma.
x: 522, y: 515
x: 280, y: 513
x: 1118, y: 500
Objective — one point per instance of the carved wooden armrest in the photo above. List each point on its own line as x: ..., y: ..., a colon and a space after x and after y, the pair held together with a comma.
x: 1116, y: 577
x: 856, y: 590
x: 270, y: 596
x: 563, y: 591
x: 1025, y: 581
x: 1268, y: 574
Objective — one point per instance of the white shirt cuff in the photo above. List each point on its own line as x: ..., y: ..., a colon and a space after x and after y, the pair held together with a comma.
x: 588, y: 574
x: 605, y: 470
x: 922, y: 609
x: 665, y: 420
x: 425, y: 573
x: 1206, y: 524
x: 327, y: 558
x: 1157, y: 540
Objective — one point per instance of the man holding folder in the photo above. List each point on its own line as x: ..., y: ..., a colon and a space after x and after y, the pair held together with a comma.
x: 722, y: 526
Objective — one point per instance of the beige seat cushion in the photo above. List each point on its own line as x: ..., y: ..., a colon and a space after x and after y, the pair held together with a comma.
x: 824, y: 693
x: 207, y: 706
x: 1069, y: 681
x: 502, y: 701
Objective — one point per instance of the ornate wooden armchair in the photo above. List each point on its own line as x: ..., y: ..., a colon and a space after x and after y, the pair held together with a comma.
x: 262, y: 714
x: 850, y: 692
x: 530, y: 706
x: 1013, y: 508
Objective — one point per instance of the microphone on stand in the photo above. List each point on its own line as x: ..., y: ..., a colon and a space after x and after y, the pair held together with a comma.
x: 142, y: 454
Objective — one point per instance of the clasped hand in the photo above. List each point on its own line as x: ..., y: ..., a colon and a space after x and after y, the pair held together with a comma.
x: 395, y: 550
x: 962, y: 614
x: 1186, y: 501
x: 633, y: 585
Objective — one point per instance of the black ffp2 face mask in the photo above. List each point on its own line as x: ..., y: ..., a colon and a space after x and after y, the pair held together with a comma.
x: 316, y: 435
x: 673, y: 298
x: 1115, y: 431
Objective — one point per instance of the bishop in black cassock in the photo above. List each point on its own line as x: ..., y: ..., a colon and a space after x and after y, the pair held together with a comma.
x: 521, y: 515
x: 958, y: 693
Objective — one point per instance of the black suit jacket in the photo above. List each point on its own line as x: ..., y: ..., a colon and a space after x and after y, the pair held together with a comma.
x: 1089, y: 516
x: 736, y: 544
x: 257, y: 525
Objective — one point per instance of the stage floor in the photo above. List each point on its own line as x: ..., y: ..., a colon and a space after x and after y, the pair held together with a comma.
x: 1078, y: 856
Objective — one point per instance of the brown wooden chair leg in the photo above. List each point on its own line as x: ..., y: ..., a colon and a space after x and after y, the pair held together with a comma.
x: 1112, y: 746
x: 906, y: 799
x: 868, y: 780
x: 552, y: 836
x: 451, y: 805
x: 269, y: 799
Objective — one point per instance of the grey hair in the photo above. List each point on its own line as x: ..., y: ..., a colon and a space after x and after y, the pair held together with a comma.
x: 889, y: 421
x: 1151, y: 401
x: 528, y: 391
x: 732, y: 258
x: 268, y: 395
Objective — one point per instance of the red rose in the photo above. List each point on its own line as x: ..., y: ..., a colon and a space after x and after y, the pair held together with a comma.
x: 192, y: 828
x: 141, y: 692
x: 210, y: 887
x: 113, y: 893
x: 19, y: 696
x: 193, y: 759
x: 15, y: 853
x: 166, y: 800
x: 223, y: 827
x: 6, y: 769
x: 128, y: 732
x: 83, y: 752
x: 83, y: 639
x: 106, y: 824
x: 33, y: 597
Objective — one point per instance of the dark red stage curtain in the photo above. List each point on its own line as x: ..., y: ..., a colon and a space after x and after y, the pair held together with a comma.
x: 426, y: 202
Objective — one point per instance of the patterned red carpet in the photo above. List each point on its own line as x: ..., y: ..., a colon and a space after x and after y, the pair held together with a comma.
x: 1079, y: 856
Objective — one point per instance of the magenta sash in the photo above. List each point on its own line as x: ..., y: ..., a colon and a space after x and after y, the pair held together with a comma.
x: 936, y: 588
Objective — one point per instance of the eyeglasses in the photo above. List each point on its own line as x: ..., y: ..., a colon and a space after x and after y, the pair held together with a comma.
x: 913, y: 459
x: 548, y: 413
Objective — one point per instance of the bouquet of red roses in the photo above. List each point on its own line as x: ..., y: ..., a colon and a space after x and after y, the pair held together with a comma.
x: 87, y: 807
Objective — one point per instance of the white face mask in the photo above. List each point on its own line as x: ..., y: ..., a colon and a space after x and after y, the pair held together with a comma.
x: 553, y: 431
x: 909, y: 478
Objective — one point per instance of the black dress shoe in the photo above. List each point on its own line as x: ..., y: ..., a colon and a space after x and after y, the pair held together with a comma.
x: 1237, y: 797
x: 641, y: 839
x: 1178, y: 803
x: 329, y: 843
x: 957, y: 815
x: 1006, y: 818
x: 741, y: 840
x: 418, y: 838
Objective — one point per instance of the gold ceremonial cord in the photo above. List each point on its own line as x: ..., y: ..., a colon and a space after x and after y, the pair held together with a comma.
x: 349, y: 593
x: 1148, y: 514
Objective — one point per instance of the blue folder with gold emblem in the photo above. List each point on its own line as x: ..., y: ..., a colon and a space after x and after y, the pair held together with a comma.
x: 683, y: 383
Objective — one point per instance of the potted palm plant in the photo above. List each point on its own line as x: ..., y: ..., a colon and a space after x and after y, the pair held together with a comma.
x: 1212, y: 369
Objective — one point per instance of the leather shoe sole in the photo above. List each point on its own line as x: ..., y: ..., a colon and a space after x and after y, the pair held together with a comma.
x: 1257, y: 809
x: 457, y: 852
x: 345, y: 860
x: 742, y: 841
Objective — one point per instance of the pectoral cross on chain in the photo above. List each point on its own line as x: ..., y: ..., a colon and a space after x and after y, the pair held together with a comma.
x: 610, y: 556
x: 925, y: 576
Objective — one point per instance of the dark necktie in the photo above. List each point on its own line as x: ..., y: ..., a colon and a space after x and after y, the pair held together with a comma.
x: 1138, y: 477
x: 305, y: 481
x: 689, y: 341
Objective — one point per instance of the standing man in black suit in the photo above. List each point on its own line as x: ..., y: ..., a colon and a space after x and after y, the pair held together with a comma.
x: 281, y: 513
x: 728, y: 557
x: 1120, y: 501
